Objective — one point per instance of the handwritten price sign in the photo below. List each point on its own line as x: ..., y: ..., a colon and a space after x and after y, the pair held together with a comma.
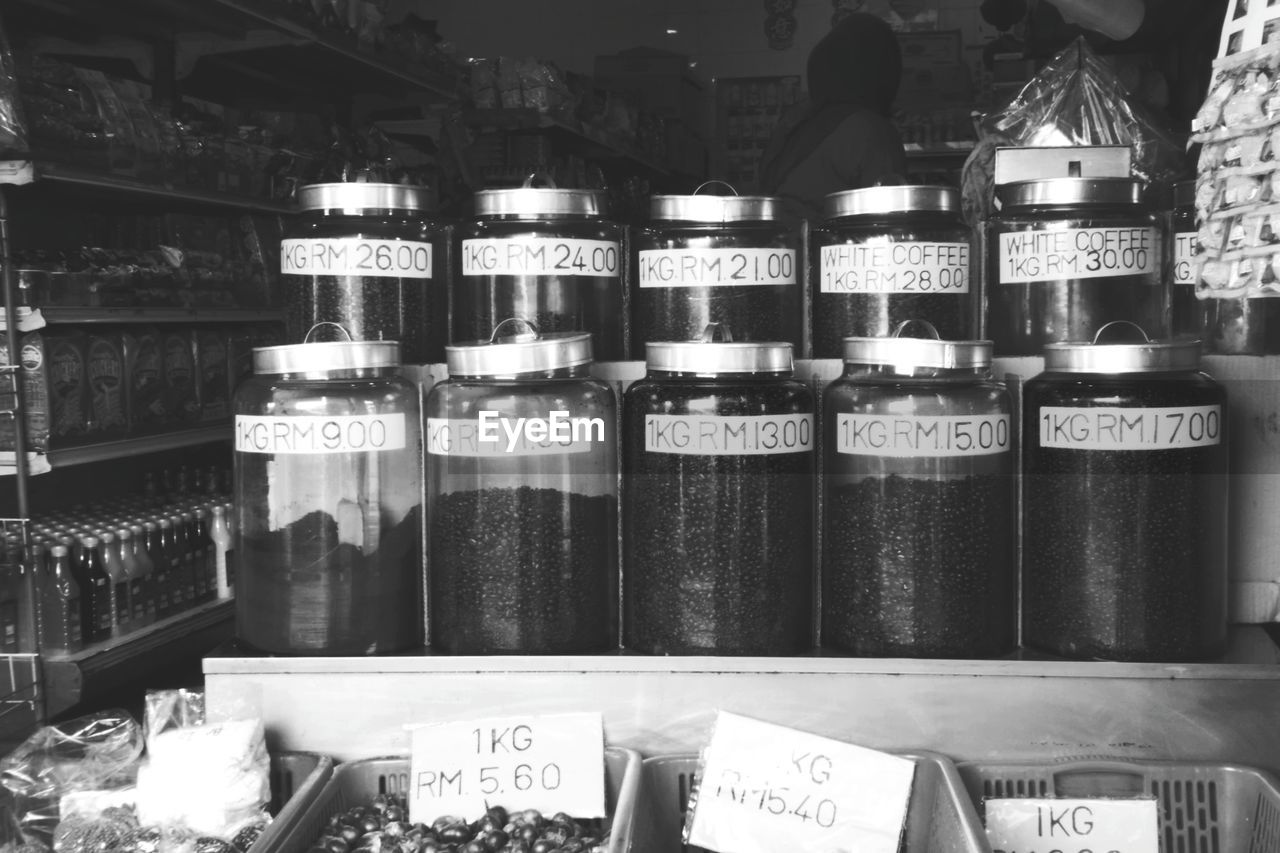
x: 766, y: 788
x: 1073, y: 826
x: 552, y: 763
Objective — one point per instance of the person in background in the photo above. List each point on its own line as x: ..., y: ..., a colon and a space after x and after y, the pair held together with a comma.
x: 841, y: 138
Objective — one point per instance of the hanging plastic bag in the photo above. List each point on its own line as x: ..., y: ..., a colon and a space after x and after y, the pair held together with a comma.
x: 13, y: 127
x: 1076, y: 99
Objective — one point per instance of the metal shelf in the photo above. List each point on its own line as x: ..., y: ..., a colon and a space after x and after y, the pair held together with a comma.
x: 31, y: 319
x: 23, y: 172
x: 43, y: 463
x: 73, y: 678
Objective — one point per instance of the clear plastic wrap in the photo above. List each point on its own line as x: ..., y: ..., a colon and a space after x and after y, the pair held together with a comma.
x: 1076, y: 99
x: 13, y: 127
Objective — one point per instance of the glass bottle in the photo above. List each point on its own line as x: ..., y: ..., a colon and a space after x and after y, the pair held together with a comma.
x: 96, y: 604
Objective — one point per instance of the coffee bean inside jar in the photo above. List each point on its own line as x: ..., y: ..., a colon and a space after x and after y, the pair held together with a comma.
x: 367, y: 257
x: 889, y: 254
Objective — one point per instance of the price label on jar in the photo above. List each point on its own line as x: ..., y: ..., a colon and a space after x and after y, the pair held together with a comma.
x: 1077, y: 253
x: 1184, y: 253
x: 765, y: 788
x: 922, y: 435
x: 1073, y: 826
x: 884, y: 267
x: 717, y: 435
x: 354, y: 256
x: 541, y: 256
x: 494, y: 434
x: 309, y: 434
x: 1118, y: 428
x: 716, y: 267
x: 552, y: 763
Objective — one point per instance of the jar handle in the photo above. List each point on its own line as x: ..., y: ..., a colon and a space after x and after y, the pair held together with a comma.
x: 532, y: 178
x: 529, y: 332
x: 338, y: 326
x: 1097, y: 336
x: 929, y: 327
x: 722, y: 329
x: 725, y: 184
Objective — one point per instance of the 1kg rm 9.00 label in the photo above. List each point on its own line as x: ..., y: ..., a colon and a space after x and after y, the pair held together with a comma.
x: 355, y: 256
x: 1119, y: 428
x: 541, y: 256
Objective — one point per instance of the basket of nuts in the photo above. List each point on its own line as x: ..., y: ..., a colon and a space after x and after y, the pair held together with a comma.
x: 364, y: 809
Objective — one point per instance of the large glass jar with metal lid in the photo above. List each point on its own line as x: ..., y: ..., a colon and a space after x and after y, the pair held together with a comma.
x: 547, y: 255
x: 1187, y: 313
x: 889, y: 254
x: 522, y: 498
x: 328, y: 489
x: 368, y: 257
x: 718, y: 468
x: 918, y: 524
x: 1124, y: 502
x: 717, y: 259
x: 1067, y: 256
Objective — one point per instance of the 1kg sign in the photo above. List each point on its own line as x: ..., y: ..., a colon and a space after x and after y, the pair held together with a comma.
x: 551, y: 763
x: 1072, y: 826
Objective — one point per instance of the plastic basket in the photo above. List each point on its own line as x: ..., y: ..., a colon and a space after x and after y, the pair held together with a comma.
x: 297, y: 778
x: 1204, y: 808
x: 940, y: 816
x: 355, y: 783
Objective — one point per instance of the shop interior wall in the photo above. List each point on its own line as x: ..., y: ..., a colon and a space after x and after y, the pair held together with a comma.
x: 726, y: 37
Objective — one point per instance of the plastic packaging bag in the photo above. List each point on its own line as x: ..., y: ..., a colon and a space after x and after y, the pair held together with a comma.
x: 1077, y: 99
x: 94, y: 753
x: 13, y: 127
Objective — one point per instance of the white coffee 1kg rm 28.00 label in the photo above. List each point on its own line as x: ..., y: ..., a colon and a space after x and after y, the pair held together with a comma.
x: 310, y: 434
x: 1184, y: 253
x: 541, y: 256
x: 1118, y: 428
x: 922, y: 435
x: 355, y: 256
x: 883, y: 267
x: 715, y: 267
x: 1066, y: 253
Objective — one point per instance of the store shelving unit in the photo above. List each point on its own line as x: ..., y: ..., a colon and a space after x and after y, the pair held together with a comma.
x: 589, y: 140
x: 66, y: 457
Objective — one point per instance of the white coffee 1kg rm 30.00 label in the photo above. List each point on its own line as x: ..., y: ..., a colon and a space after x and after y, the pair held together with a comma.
x: 355, y: 256
x: 1066, y: 253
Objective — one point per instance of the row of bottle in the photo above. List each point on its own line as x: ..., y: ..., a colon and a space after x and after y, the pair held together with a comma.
x: 110, y: 574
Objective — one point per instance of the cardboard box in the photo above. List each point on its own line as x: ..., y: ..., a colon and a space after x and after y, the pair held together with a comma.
x: 144, y: 371
x: 108, y: 384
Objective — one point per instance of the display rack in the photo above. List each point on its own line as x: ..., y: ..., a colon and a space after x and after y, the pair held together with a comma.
x: 102, y: 451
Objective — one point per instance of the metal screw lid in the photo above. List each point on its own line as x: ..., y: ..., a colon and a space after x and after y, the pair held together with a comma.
x: 356, y: 196
x: 878, y: 201
x: 1071, y: 191
x: 908, y: 354
x: 550, y: 201
x: 715, y: 209
x: 1142, y: 356
x: 521, y: 351
x: 326, y: 356
x: 709, y: 357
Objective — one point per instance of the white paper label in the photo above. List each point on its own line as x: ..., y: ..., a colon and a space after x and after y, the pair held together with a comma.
x: 766, y: 788
x: 884, y: 267
x: 1184, y: 253
x: 1077, y: 253
x: 716, y: 435
x: 494, y: 434
x: 541, y: 256
x: 307, y: 434
x: 922, y: 435
x: 1117, y: 428
x: 715, y: 267
x: 552, y: 763
x: 353, y: 256
x: 1073, y: 826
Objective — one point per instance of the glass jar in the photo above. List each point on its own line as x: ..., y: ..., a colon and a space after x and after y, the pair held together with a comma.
x: 366, y: 257
x: 718, y: 477
x: 889, y: 254
x: 1187, y: 313
x: 1124, y: 502
x: 546, y: 255
x: 1069, y: 255
x: 717, y: 259
x: 328, y: 490
x: 918, y: 515
x: 522, y: 498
